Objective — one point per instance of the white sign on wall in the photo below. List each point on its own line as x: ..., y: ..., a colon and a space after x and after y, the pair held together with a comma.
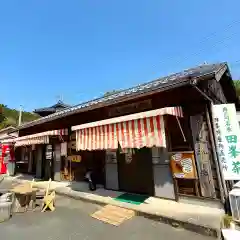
x: 227, y: 135
x: 63, y: 149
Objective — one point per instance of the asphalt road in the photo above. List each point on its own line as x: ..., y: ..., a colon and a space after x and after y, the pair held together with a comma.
x: 72, y: 220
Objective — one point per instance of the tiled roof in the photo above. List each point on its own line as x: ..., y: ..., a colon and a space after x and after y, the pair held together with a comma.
x: 142, y: 88
x: 49, y: 109
x: 60, y: 104
x: 53, y: 108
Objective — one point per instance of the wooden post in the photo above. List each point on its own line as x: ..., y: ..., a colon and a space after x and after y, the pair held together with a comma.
x: 168, y: 149
x: 222, y: 184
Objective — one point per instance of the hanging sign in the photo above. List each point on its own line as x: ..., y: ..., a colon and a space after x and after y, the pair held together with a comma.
x: 63, y: 150
x: 49, y: 152
x: 227, y: 135
x: 183, y: 165
x: 75, y: 158
x: 130, y: 108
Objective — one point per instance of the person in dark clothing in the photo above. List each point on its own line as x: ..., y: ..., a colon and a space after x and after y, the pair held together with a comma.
x: 91, y: 180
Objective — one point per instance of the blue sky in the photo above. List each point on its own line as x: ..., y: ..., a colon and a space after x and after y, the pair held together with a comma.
x: 80, y: 49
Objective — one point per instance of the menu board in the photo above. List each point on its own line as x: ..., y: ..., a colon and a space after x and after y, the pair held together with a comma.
x: 49, y: 152
x: 183, y: 165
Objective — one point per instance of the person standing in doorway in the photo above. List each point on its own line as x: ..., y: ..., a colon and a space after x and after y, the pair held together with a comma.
x: 91, y: 181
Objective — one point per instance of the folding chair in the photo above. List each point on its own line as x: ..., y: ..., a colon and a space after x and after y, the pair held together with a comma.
x: 48, y: 202
x: 49, y: 199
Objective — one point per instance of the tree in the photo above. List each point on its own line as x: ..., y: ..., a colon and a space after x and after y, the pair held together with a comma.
x: 237, y: 87
x: 2, y: 117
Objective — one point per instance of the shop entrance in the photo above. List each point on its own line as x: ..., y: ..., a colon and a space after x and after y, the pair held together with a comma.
x: 135, y: 171
x: 47, y: 162
x: 98, y: 164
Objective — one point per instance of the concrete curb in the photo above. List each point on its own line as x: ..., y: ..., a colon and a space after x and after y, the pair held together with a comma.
x: 177, y: 223
x: 203, y: 230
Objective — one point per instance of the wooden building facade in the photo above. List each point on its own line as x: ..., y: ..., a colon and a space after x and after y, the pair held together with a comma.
x: 186, y: 165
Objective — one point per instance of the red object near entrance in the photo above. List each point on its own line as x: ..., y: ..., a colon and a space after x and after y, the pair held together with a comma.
x: 6, y: 155
x: 3, y: 167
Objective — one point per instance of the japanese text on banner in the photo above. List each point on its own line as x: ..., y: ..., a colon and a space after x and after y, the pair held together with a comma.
x: 227, y: 135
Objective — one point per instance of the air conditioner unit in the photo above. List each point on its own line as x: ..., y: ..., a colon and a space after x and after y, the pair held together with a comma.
x: 234, y: 198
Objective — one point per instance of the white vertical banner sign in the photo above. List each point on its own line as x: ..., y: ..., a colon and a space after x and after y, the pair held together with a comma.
x: 227, y: 134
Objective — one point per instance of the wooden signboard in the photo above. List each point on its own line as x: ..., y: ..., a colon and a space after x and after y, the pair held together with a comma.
x: 130, y: 108
x: 75, y: 158
x: 183, y: 165
x: 49, y: 152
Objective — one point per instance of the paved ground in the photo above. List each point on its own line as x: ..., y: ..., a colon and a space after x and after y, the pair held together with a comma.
x: 72, y: 220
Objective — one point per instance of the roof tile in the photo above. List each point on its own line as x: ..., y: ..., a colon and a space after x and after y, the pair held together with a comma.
x: 153, y: 85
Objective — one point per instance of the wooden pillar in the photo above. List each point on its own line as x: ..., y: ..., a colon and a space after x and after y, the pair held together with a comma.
x: 222, y: 184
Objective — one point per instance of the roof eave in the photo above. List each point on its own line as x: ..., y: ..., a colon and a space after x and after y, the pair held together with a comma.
x: 10, y: 128
x: 128, y: 94
x: 162, y: 88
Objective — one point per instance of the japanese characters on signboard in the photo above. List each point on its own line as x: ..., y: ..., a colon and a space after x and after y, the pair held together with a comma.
x: 183, y: 165
x: 49, y: 152
x: 227, y: 135
x: 75, y: 158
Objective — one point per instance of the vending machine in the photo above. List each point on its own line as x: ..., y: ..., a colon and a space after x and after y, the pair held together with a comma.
x: 3, y: 168
x: 6, y: 158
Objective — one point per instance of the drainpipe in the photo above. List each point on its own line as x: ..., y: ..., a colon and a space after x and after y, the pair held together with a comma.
x: 222, y: 183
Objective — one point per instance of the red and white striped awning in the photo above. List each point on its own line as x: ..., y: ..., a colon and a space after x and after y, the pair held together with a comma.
x: 145, y: 129
x: 8, y: 140
x: 39, y: 138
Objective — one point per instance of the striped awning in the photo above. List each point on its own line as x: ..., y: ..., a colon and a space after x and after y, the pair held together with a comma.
x: 7, y: 140
x: 145, y: 129
x: 39, y: 138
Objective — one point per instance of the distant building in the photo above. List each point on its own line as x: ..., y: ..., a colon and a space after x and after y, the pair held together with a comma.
x: 59, y: 106
x: 8, y: 133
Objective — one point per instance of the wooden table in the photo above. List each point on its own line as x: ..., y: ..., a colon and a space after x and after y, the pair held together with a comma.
x: 25, y: 198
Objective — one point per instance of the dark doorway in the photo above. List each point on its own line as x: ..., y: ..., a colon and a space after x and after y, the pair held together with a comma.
x: 98, y: 166
x: 135, y: 171
x: 47, y: 162
x: 34, y: 161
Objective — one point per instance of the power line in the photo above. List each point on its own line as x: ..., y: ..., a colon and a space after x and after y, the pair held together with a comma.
x: 209, y: 37
x: 202, y: 49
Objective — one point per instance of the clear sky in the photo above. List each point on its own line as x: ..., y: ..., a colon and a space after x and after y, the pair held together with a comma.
x: 80, y: 49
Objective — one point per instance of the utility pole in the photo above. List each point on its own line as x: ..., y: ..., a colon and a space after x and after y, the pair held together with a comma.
x: 20, y: 116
